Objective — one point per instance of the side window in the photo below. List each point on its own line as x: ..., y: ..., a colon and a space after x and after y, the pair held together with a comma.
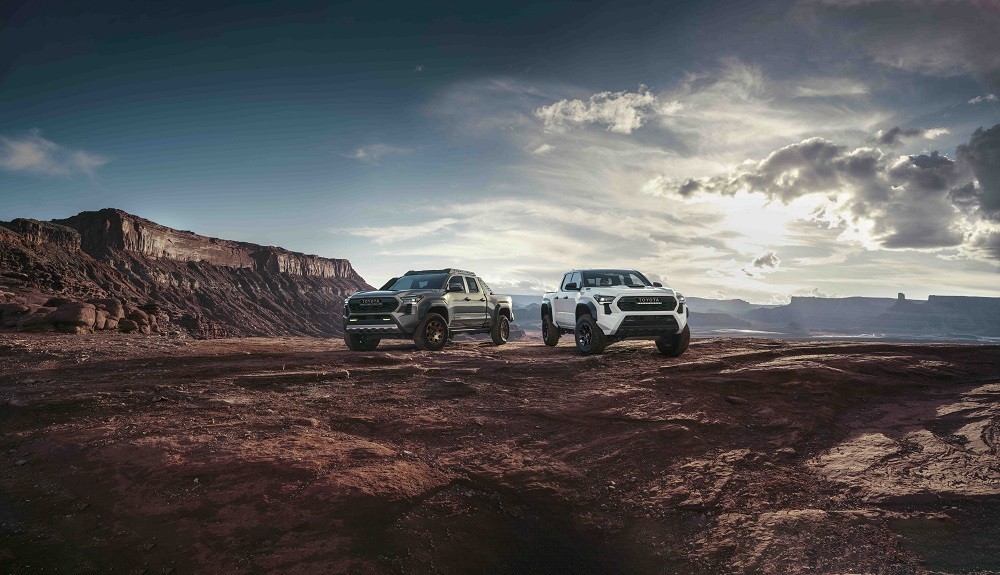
x: 473, y: 287
x: 456, y: 281
x: 565, y: 281
x: 486, y: 288
x: 576, y: 279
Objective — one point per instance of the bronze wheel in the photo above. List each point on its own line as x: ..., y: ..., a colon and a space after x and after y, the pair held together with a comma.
x: 431, y: 333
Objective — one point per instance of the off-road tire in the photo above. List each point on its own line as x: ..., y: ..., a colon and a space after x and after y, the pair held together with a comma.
x: 550, y: 333
x: 590, y: 340
x: 431, y: 333
x: 674, y: 345
x: 362, y: 342
x: 500, y: 332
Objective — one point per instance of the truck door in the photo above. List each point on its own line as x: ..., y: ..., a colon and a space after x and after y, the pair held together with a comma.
x: 565, y: 302
x: 478, y: 306
x: 457, y: 301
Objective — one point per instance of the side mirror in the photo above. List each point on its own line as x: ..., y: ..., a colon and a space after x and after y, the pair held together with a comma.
x: 657, y: 284
x: 454, y: 287
x: 570, y: 287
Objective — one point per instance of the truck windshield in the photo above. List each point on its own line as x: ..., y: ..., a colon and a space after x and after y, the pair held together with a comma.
x: 425, y: 281
x: 607, y: 278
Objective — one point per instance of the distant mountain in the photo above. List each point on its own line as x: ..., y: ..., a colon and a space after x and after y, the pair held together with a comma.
x: 727, y: 306
x: 207, y: 286
x: 846, y: 313
x: 952, y: 315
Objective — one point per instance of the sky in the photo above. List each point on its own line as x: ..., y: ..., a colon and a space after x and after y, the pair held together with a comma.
x: 733, y: 149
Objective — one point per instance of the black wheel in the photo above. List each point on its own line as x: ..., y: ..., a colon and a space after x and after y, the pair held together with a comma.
x: 674, y: 345
x: 431, y: 333
x: 550, y: 333
x: 500, y: 332
x: 356, y: 342
x: 589, y: 337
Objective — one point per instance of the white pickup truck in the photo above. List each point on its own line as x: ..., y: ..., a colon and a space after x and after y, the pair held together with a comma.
x: 602, y: 306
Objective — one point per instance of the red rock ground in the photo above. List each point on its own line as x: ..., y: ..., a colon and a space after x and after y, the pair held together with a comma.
x: 157, y: 455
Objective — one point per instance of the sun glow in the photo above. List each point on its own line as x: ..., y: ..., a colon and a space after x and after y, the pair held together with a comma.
x: 761, y: 223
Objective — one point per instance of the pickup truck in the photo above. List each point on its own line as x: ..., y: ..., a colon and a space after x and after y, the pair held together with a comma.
x: 602, y: 306
x: 427, y: 306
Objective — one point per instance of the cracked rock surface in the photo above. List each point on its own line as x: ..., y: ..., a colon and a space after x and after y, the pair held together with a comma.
x: 294, y: 455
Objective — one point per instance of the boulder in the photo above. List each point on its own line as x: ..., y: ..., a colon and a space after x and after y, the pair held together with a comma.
x: 75, y: 314
x: 11, y: 312
x: 35, y: 321
x: 111, y: 324
x: 101, y: 319
x: 57, y: 302
x: 127, y: 326
x: 114, y: 307
x: 139, y: 317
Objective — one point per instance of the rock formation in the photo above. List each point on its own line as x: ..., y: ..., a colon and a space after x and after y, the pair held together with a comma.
x: 118, y: 271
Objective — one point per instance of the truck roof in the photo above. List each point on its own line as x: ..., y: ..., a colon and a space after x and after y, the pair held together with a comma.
x: 442, y: 271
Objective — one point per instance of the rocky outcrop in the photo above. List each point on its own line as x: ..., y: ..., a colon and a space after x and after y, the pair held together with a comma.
x: 117, y: 263
x: 108, y: 231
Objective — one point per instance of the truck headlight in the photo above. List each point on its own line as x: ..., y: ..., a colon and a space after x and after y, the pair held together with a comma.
x: 347, y: 300
x: 603, y: 299
x: 681, y: 298
x: 411, y: 299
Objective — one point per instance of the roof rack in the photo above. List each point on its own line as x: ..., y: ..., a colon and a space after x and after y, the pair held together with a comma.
x: 444, y: 271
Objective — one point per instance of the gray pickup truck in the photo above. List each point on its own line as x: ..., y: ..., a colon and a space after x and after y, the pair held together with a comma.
x: 428, y: 306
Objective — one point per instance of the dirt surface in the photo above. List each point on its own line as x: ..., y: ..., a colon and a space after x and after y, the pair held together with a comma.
x: 155, y: 455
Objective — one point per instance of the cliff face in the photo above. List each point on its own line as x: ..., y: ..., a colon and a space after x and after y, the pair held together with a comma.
x: 956, y: 315
x: 107, y: 231
x: 207, y: 286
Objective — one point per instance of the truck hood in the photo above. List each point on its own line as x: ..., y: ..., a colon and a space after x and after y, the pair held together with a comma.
x: 403, y: 293
x: 622, y: 290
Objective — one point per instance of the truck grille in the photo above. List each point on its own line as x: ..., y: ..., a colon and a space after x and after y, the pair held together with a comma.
x: 648, y: 303
x: 373, y: 304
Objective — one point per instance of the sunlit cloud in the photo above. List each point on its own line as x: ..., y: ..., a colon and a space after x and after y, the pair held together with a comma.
x: 375, y: 152
x: 34, y: 154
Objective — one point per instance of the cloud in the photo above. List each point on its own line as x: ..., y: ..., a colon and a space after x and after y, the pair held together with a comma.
x: 35, y: 155
x: 768, y: 259
x: 813, y: 292
x: 620, y: 112
x: 982, y: 155
x: 375, y: 152
x: 392, y: 234
x: 920, y: 202
x: 543, y: 149
x: 829, y: 88
x: 981, y: 99
x: 894, y: 136
x: 930, y: 37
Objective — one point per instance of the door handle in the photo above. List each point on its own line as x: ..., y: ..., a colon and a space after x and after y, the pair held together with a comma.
x: 483, y: 299
x: 467, y: 299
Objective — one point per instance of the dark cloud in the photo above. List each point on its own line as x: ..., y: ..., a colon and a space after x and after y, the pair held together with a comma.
x: 923, y: 201
x: 893, y: 136
x: 988, y: 243
x: 931, y: 37
x: 689, y: 187
x: 982, y: 155
x: 768, y: 259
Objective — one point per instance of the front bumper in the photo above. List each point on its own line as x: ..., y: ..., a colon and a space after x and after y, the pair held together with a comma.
x: 398, y: 324
x: 632, y: 324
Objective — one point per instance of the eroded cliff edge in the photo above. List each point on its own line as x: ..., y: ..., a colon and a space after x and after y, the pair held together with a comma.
x: 202, y: 285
